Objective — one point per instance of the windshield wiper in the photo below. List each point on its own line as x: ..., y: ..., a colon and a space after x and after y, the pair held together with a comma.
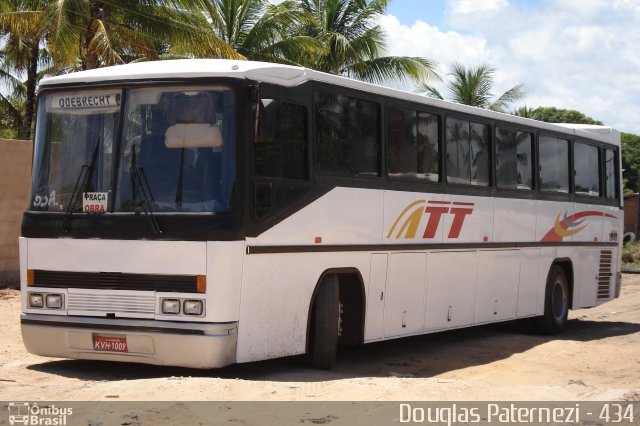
x: 85, y: 175
x: 139, y: 179
x: 180, y: 182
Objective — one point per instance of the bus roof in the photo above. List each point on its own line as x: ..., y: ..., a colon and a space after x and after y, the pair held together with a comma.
x: 287, y: 75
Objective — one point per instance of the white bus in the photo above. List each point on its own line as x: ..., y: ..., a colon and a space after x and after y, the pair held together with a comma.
x: 201, y: 213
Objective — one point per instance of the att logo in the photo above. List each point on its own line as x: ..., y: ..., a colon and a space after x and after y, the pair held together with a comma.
x: 408, y: 221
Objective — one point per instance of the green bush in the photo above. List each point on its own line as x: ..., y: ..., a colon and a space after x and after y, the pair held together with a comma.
x: 631, y: 253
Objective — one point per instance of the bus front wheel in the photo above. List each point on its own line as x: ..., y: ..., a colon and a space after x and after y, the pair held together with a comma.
x: 325, y: 324
x: 556, y: 302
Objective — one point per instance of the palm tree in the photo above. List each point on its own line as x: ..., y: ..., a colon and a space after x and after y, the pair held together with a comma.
x: 86, y: 34
x: 108, y: 32
x: 525, y: 112
x: 21, y: 54
x: 260, y: 31
x: 353, y: 42
x: 12, y: 105
x: 473, y: 86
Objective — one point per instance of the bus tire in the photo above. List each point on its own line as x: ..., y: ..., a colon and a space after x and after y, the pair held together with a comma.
x: 556, y: 303
x: 325, y: 324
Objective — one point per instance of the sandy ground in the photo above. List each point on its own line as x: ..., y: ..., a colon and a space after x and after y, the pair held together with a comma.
x: 597, y: 358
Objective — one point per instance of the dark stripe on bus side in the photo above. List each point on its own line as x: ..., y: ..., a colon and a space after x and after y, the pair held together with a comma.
x: 404, y: 247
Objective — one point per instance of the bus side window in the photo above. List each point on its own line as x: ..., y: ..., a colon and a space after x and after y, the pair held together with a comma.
x: 413, y: 144
x: 586, y: 172
x: 514, y: 165
x: 610, y: 174
x: 280, y: 156
x: 347, y: 135
x: 554, y: 164
x: 467, y: 152
x: 266, y: 121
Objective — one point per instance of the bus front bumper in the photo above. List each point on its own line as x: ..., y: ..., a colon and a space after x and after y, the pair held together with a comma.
x: 194, y: 345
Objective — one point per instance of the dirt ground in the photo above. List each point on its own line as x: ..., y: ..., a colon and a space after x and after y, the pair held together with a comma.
x: 597, y: 358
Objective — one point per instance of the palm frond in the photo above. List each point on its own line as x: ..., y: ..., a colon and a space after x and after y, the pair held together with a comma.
x: 512, y: 95
x: 102, y: 46
x: 395, y: 68
x: 12, y: 82
x: 8, y: 108
x: 27, y: 23
x: 428, y: 90
x: 473, y: 86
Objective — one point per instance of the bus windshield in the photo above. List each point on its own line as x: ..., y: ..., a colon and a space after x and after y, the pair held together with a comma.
x: 169, y: 149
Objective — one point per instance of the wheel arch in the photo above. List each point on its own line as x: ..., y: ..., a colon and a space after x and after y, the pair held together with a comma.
x: 353, y: 301
x: 567, y: 266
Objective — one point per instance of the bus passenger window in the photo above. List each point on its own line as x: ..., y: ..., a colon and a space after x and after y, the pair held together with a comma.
x: 347, y: 137
x: 586, y: 161
x: 280, y: 155
x: 514, y: 167
x: 266, y: 121
x: 610, y: 174
x: 554, y: 164
x: 281, y: 142
x: 413, y: 144
x: 467, y: 152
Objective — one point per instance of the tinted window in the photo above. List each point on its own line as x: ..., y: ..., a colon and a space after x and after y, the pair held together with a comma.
x: 514, y: 165
x: 280, y: 155
x: 554, y: 164
x: 347, y: 141
x: 586, y: 161
x: 610, y: 174
x: 467, y: 152
x: 413, y: 144
x: 281, y: 143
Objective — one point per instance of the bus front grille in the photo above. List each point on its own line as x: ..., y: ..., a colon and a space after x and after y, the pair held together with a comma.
x: 116, y: 281
x: 122, y: 304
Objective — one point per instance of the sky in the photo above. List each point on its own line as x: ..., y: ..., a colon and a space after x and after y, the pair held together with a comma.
x: 573, y: 54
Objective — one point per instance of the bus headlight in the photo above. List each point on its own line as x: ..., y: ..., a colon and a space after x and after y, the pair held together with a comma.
x: 192, y: 307
x: 36, y: 300
x: 53, y: 301
x: 170, y: 306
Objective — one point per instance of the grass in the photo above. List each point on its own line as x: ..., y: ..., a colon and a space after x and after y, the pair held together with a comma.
x: 631, y: 256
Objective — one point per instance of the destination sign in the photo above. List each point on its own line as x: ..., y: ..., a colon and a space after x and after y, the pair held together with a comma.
x: 85, y: 101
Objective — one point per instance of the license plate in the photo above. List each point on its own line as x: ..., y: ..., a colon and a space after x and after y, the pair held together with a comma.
x: 110, y: 343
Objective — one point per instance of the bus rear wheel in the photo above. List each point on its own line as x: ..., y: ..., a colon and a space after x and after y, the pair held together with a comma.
x: 325, y: 324
x: 556, y: 302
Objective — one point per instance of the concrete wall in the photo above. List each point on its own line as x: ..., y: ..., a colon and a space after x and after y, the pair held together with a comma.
x: 15, y: 180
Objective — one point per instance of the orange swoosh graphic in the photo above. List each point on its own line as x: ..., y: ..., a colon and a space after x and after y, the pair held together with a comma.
x: 565, y: 232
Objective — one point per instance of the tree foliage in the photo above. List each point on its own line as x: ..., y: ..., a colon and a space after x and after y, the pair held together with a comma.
x: 556, y: 115
x: 353, y: 42
x: 631, y: 161
x: 474, y: 86
x: 261, y: 31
